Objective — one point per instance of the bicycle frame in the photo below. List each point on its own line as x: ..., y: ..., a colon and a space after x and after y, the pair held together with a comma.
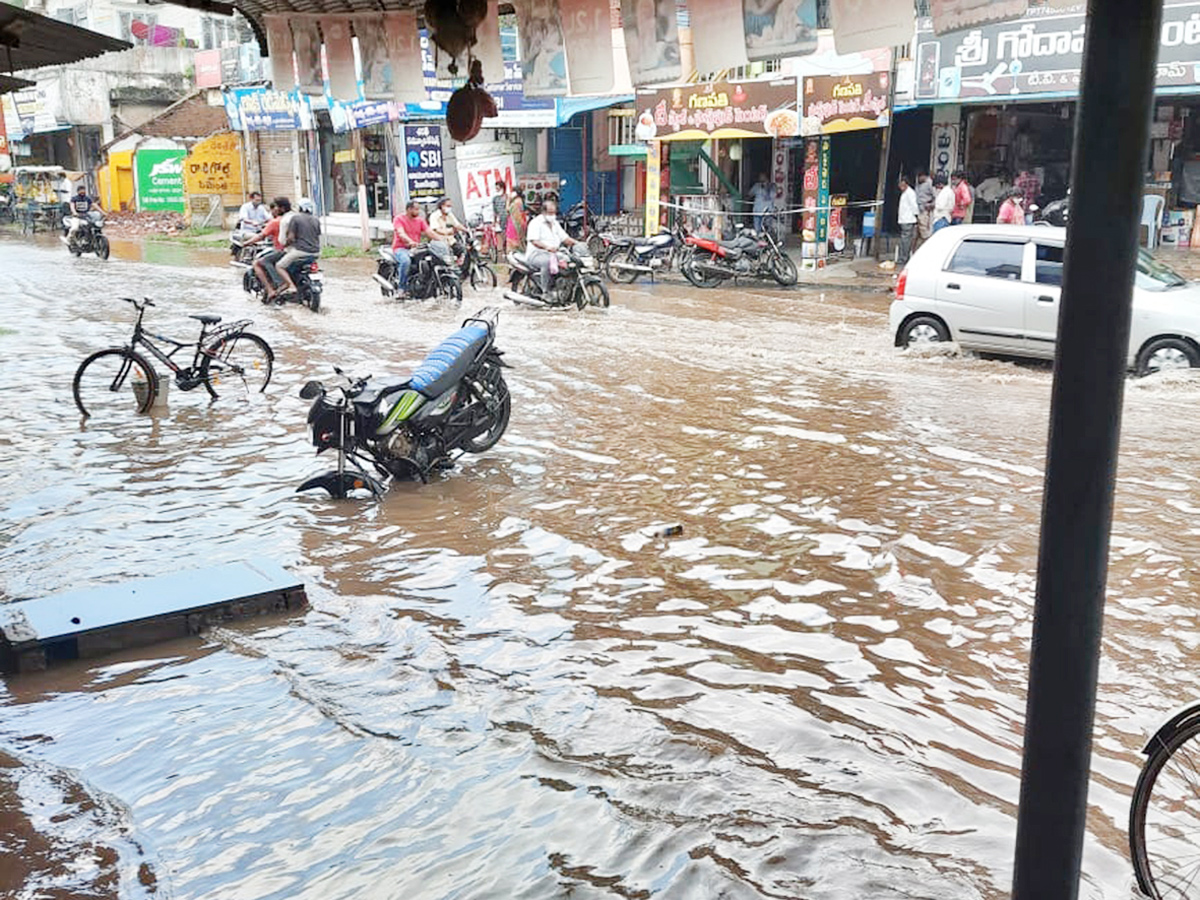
x: 142, y: 338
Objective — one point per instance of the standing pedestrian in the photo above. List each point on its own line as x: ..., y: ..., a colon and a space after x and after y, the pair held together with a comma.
x: 943, y: 204
x: 1011, y: 212
x: 907, y: 217
x: 763, y: 194
x: 970, y: 216
x: 925, y: 197
x: 514, y: 233
x: 962, y: 198
x: 500, y: 212
x: 1030, y: 186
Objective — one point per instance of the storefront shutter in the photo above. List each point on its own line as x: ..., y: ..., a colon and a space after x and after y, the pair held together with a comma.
x: 276, y: 164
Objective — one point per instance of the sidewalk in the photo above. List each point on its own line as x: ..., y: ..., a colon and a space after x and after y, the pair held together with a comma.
x: 861, y: 274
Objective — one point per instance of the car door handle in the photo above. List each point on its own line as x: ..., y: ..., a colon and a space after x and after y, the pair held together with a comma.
x: 1045, y: 298
x: 953, y: 286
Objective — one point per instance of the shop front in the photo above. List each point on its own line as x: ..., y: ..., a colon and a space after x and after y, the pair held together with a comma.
x: 844, y: 117
x: 708, y: 145
x: 1004, y: 102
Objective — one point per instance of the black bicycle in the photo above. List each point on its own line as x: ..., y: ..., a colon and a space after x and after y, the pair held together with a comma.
x: 121, y: 379
x: 1164, y: 818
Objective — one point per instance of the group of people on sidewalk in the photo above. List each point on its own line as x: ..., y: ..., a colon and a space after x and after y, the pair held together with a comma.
x: 935, y: 203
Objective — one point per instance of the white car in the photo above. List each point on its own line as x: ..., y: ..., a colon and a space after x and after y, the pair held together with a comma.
x: 995, y: 289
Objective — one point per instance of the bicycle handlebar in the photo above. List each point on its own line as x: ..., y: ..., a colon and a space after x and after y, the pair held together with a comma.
x: 146, y: 301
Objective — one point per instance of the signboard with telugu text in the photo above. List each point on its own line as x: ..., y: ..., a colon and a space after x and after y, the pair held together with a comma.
x: 425, y: 177
x: 719, y: 109
x: 834, y: 103
x: 214, y: 166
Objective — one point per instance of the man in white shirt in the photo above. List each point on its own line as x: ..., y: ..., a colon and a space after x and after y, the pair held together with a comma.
x: 907, y: 217
x: 544, y: 236
x: 943, y: 205
x: 443, y: 223
x: 253, y: 215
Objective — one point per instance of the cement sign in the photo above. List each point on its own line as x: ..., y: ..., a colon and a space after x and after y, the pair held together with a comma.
x: 160, y: 180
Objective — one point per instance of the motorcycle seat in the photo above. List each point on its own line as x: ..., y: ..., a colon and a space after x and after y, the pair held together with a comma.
x: 448, y: 361
x: 374, y: 390
x: 520, y: 258
x: 206, y: 319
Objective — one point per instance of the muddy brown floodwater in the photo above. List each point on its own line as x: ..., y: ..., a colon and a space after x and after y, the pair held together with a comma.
x: 507, y: 686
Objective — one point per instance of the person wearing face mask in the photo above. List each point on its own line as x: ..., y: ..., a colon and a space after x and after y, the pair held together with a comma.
x: 545, y: 236
x: 443, y: 224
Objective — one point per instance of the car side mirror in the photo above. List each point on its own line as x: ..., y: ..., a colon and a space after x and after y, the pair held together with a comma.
x: 311, y: 390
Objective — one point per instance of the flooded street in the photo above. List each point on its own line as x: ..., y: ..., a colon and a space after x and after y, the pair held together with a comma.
x: 508, y: 685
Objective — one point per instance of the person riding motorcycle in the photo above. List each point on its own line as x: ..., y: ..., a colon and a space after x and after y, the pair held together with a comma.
x: 265, y: 265
x: 543, y: 238
x: 270, y: 230
x: 82, y: 207
x: 253, y: 215
x: 303, y: 242
x: 443, y: 224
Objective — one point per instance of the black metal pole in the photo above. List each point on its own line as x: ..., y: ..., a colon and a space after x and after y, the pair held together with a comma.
x: 1108, y: 167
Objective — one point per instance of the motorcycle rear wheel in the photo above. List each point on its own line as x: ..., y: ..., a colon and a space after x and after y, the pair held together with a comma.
x: 615, y: 273
x: 688, y: 267
x: 489, y: 439
x: 74, y: 247
x: 102, y: 247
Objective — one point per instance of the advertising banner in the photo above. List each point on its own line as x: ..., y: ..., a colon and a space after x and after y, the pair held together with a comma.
x: 215, y: 167
x: 955, y: 15
x: 339, y: 57
x: 258, y: 109
x: 783, y: 28
x: 651, y: 40
x: 862, y: 25
x: 477, y: 179
x: 587, y: 33
x: 1042, y: 53
x: 718, y: 35
x: 720, y: 110
x: 279, y: 45
x: 32, y: 110
x: 160, y: 179
x: 539, y: 27
x: 423, y: 172
x: 844, y: 103
x: 208, y: 68
x: 516, y: 110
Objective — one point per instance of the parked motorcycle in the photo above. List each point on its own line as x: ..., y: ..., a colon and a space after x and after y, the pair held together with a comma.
x: 1056, y: 212
x: 471, y: 265
x: 238, y: 238
x: 432, y: 273
x: 88, y: 236
x: 749, y: 255
x: 576, y: 284
x: 306, y: 275
x: 455, y: 402
x: 579, y: 222
x: 628, y: 257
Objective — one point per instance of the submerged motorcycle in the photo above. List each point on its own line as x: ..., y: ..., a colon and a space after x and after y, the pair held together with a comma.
x: 88, y: 236
x: 432, y: 273
x: 749, y: 255
x: 306, y: 275
x: 577, y: 283
x: 455, y: 402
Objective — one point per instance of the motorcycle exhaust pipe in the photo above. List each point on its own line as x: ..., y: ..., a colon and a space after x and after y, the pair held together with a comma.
x: 631, y: 267
x: 238, y: 264
x: 384, y: 283
x: 710, y: 269
x: 523, y: 298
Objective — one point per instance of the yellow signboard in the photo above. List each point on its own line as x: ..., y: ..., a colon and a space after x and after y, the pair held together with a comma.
x: 215, y: 167
x: 653, y: 186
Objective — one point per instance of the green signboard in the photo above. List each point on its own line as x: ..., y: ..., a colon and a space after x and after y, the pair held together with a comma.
x: 160, y: 180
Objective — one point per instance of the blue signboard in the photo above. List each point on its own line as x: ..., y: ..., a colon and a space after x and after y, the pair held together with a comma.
x: 258, y: 109
x: 423, y: 162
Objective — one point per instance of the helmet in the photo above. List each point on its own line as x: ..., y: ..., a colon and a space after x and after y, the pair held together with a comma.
x: 306, y: 206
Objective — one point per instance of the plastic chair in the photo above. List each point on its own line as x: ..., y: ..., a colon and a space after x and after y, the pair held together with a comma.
x: 1152, y: 210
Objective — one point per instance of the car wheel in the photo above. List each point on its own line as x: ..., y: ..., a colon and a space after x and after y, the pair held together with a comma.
x: 922, y: 330
x: 1167, y: 353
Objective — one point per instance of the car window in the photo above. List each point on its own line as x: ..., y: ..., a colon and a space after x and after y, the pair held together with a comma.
x: 994, y: 259
x: 1153, y: 275
x: 1049, y: 265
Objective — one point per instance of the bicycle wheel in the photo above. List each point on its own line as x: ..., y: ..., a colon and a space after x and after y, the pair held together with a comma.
x: 482, y: 275
x: 241, y: 361
x: 114, y: 383
x: 1164, y: 819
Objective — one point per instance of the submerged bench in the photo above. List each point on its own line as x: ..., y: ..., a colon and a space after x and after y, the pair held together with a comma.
x: 93, y: 621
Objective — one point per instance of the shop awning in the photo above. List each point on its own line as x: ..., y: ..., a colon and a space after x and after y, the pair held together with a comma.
x: 572, y: 106
x: 31, y: 41
x: 8, y: 84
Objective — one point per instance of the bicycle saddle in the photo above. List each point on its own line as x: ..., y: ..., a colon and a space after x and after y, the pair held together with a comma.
x: 206, y: 319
